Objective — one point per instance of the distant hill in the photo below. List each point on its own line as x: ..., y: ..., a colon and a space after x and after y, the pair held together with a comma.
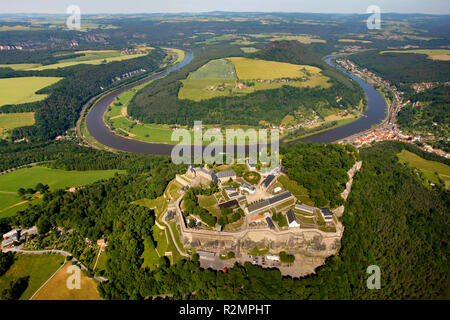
x: 403, y: 67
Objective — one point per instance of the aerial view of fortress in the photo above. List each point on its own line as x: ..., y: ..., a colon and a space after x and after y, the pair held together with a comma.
x: 269, y: 226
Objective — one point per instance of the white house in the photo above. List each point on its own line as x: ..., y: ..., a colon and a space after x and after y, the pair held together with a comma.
x: 272, y: 257
x: 327, y: 215
x: 277, y: 189
x: 246, y: 187
x: 292, y: 220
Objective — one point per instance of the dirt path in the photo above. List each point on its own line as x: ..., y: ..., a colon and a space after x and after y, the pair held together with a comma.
x: 8, y: 192
x: 124, y: 111
x: 15, y: 205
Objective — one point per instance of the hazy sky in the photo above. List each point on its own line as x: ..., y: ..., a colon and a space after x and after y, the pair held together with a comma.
x: 148, y: 6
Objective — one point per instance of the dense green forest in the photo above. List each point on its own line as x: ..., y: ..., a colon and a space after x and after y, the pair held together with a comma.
x: 70, y: 156
x: 390, y: 220
x: 403, y: 67
x: 159, y: 103
x: 321, y: 169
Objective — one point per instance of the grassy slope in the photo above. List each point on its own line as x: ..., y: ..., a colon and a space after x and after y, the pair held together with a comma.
x: 22, y: 89
x: 298, y: 191
x: 429, y: 168
x: 247, y: 69
x: 74, y: 62
x: 202, y: 83
x: 55, y: 178
x: 56, y: 288
x: 215, y: 70
x: 428, y: 52
x: 38, y: 267
x: 9, y: 121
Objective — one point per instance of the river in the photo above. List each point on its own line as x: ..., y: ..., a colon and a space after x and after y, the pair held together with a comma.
x: 375, y: 113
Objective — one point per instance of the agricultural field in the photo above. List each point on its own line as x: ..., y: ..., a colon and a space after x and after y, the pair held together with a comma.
x: 21, y: 66
x: 431, y: 170
x: 11, y: 202
x: 305, y: 39
x: 54, y: 178
x: 221, y: 78
x: 23, y: 89
x: 9, y: 121
x: 56, y: 288
x: 37, y: 267
x: 434, y: 54
x: 220, y: 69
x: 250, y: 69
x: 354, y: 40
x: 302, y: 38
x: 179, y: 54
x: 89, y: 57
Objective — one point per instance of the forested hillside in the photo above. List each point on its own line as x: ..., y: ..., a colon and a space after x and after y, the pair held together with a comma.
x: 321, y: 169
x: 403, y: 67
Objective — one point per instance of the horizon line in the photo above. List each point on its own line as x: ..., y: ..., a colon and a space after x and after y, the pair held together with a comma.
x: 222, y: 11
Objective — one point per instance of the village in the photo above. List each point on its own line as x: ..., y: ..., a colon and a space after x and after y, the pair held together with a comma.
x: 388, y: 130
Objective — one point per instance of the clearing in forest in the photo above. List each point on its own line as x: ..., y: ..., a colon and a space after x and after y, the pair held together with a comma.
x: 23, y: 89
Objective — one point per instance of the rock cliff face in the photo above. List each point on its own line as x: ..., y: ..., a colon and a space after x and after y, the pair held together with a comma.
x: 311, y: 242
x: 356, y: 167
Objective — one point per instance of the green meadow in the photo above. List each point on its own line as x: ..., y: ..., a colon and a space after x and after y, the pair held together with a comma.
x: 428, y: 52
x: 92, y: 60
x: 54, y: 178
x: 219, y: 69
x: 37, y: 267
x: 219, y: 78
x: 297, y: 190
x: 431, y: 170
x: 23, y: 89
x: 20, y: 66
x: 11, y: 202
x: 89, y: 57
x: 9, y: 121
